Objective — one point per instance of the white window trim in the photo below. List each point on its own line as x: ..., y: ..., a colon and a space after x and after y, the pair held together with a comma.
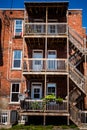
x: 21, y: 33
x: 37, y: 87
x: 5, y: 116
x: 11, y: 102
x: 54, y: 86
x: 16, y: 68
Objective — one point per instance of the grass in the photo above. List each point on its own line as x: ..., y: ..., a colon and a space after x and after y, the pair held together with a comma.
x: 49, y: 127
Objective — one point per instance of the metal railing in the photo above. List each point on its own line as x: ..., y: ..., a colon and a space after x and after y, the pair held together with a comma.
x: 77, y: 77
x: 76, y: 39
x: 75, y: 115
x: 43, y: 64
x: 78, y: 117
x: 40, y: 28
x: 40, y: 105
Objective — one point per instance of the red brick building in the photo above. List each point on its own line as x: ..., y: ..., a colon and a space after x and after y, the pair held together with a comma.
x: 43, y: 52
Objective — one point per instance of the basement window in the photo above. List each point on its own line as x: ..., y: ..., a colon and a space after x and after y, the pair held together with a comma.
x: 15, y: 87
x: 3, y: 118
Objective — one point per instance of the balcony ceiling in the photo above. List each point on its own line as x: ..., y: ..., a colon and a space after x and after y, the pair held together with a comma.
x: 34, y: 8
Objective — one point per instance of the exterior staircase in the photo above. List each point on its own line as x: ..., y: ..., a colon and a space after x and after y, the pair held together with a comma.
x: 77, y: 57
x: 76, y: 40
x: 77, y: 77
x: 77, y: 116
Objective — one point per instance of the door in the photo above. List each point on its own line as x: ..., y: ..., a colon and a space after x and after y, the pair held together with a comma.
x: 37, y: 62
x: 36, y: 92
x: 52, y: 62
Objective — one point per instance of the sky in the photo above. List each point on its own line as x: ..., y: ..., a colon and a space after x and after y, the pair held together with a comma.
x: 73, y: 4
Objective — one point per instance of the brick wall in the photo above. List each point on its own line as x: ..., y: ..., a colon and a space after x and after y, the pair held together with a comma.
x: 75, y: 21
x: 8, y: 43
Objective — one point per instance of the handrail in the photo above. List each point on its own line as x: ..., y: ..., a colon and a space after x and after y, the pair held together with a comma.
x: 77, y: 71
x: 40, y: 105
x: 40, y: 28
x: 76, y: 39
x: 77, y: 78
x: 44, y: 64
x: 76, y: 34
x: 75, y: 115
x: 78, y: 116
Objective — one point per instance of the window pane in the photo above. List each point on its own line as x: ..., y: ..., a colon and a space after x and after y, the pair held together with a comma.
x: 15, y: 97
x: 17, y: 54
x: 16, y: 63
x: 36, y: 95
x: 15, y: 87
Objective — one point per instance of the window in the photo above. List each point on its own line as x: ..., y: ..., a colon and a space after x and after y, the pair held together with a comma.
x: 38, y: 28
x: 17, y: 56
x: 51, y: 88
x: 3, y: 118
x: 52, y: 29
x: 18, y: 27
x: 15, y: 87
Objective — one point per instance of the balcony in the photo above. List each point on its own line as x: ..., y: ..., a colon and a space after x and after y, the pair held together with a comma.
x: 40, y: 105
x: 44, y: 65
x: 45, y: 29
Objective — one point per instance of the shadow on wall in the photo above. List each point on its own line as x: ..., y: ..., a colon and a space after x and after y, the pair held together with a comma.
x: 1, y: 52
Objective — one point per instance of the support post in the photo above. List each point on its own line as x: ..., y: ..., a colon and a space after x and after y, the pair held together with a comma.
x: 44, y: 120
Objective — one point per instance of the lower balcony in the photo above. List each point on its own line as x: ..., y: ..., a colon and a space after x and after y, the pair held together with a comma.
x: 44, y: 107
x: 44, y: 65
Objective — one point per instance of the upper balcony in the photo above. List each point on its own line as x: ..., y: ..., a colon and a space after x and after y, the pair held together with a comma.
x: 43, y: 29
x: 44, y: 18
x: 44, y: 66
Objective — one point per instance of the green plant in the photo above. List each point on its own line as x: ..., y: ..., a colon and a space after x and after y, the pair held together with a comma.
x: 35, y: 105
x: 50, y: 98
x: 59, y: 100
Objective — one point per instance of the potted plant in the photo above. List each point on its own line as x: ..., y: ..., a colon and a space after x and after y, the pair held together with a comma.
x: 50, y: 98
x: 59, y: 100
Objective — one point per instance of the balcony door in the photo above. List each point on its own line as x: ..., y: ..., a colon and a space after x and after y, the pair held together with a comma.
x: 37, y: 62
x: 52, y: 62
x: 36, y: 91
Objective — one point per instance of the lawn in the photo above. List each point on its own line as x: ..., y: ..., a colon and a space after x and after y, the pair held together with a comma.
x: 49, y: 127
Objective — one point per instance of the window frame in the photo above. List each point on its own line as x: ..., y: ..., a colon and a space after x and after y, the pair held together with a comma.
x: 13, y: 60
x: 51, y: 87
x: 4, y: 118
x: 14, y: 92
x: 20, y: 34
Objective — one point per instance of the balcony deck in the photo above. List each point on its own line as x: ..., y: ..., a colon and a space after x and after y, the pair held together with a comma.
x: 33, y: 107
